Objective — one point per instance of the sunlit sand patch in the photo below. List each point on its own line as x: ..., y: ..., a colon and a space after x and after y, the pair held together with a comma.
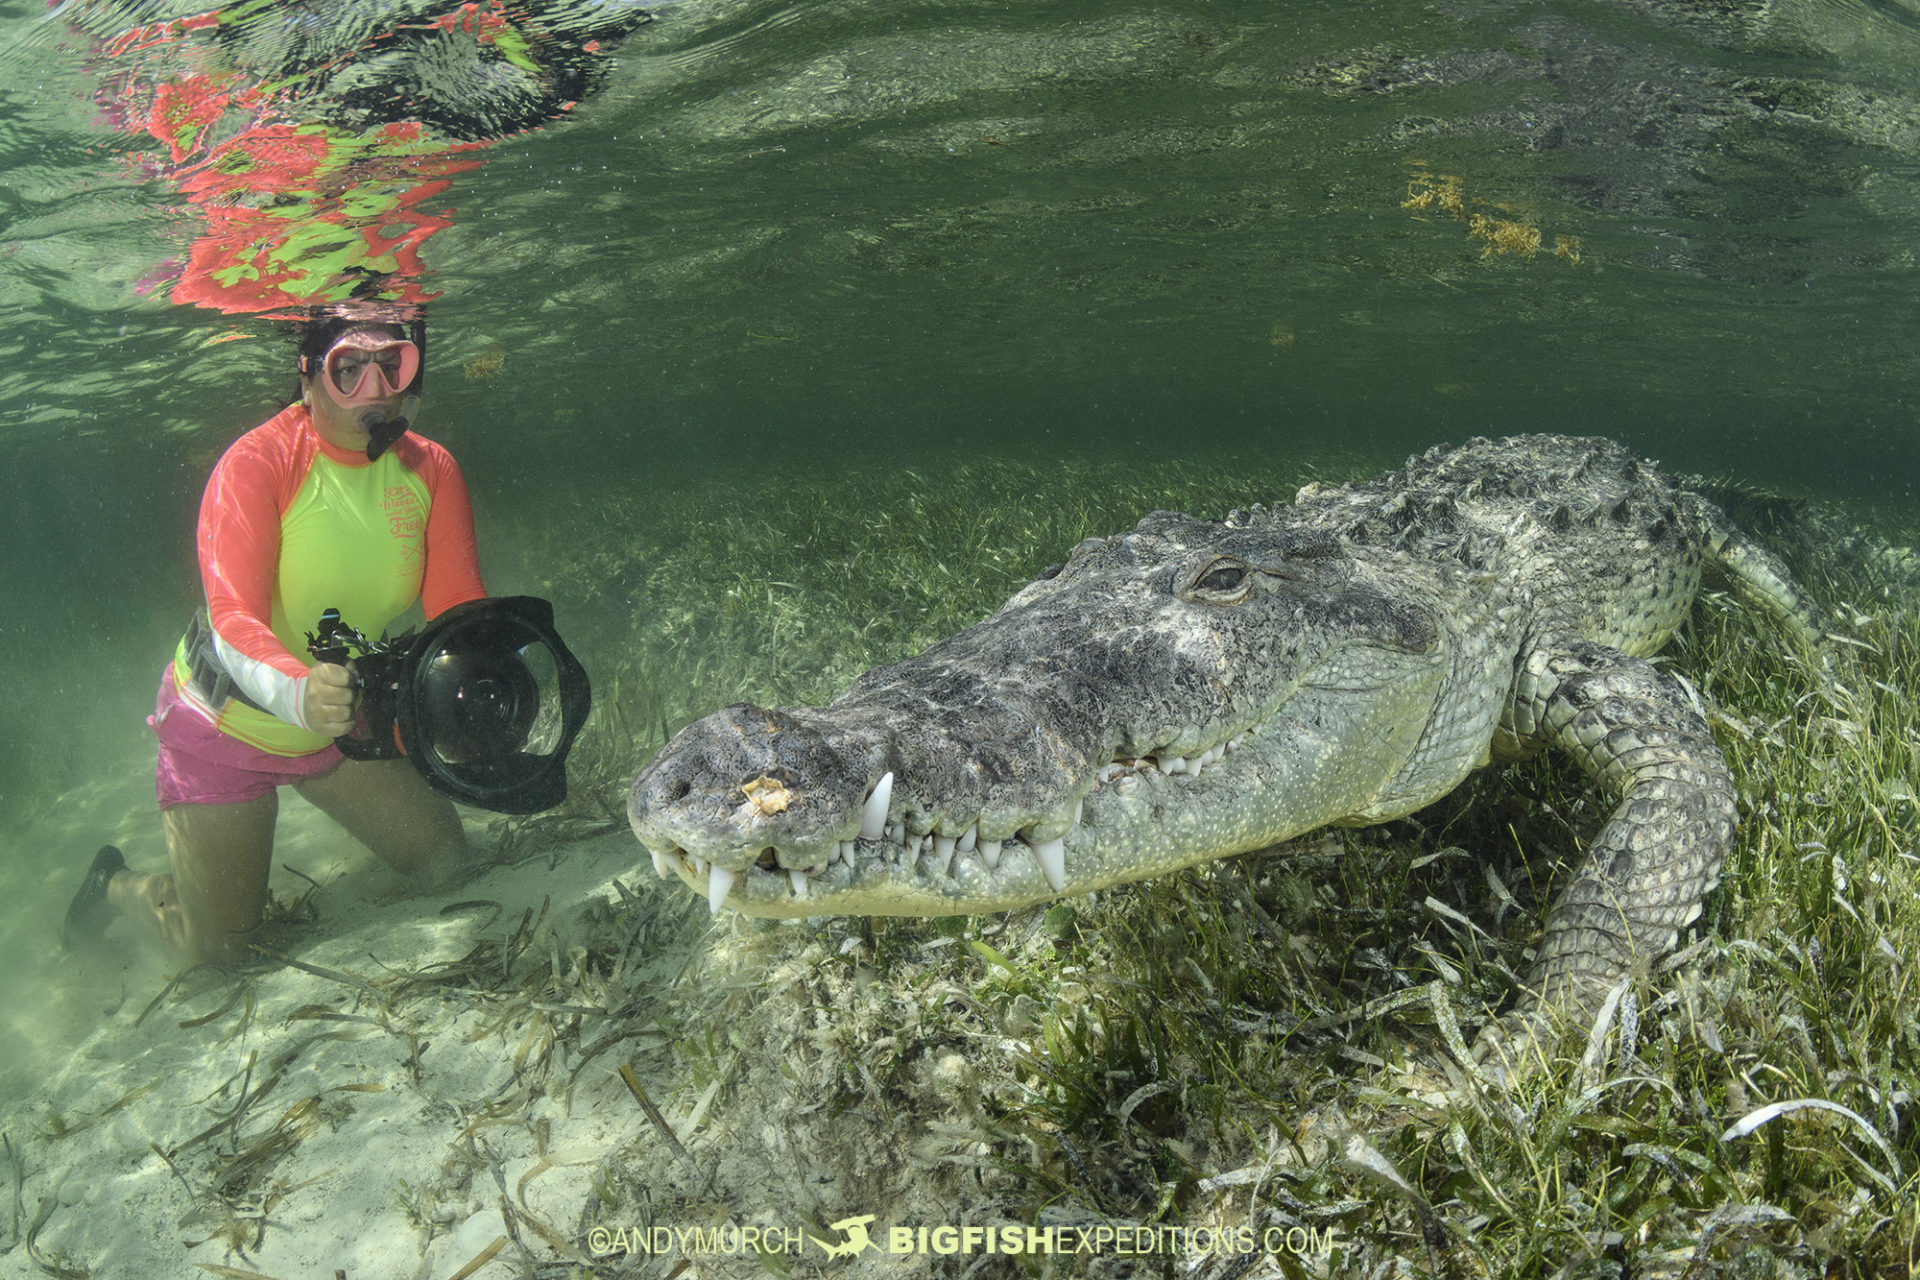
x: 360, y: 1101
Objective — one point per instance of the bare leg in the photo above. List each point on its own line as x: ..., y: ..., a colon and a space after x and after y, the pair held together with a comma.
x: 221, y: 854
x: 388, y: 807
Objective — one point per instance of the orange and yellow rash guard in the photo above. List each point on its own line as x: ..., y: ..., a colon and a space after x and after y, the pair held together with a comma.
x: 290, y: 526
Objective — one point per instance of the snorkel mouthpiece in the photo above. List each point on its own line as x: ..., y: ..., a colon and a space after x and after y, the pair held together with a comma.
x: 382, y: 431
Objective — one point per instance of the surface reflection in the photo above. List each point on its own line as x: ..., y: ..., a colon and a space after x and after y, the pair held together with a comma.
x: 313, y: 146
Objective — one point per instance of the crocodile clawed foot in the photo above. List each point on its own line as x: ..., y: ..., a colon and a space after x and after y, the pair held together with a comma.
x: 1517, y: 1044
x: 1543, y: 1034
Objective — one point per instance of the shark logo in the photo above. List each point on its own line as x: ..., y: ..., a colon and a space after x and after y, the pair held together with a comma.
x: 855, y: 1229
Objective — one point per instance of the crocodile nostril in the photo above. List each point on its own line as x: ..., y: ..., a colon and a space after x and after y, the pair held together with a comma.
x: 677, y: 790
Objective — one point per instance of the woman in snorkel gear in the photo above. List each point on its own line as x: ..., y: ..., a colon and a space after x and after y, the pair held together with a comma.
x: 332, y: 502
x: 369, y: 382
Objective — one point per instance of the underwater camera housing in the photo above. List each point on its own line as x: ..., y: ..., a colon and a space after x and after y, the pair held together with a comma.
x: 486, y: 700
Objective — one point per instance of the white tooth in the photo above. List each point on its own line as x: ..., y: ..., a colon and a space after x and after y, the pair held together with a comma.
x: 798, y: 879
x: 1079, y: 810
x: 873, y: 818
x: 942, y: 860
x: 990, y: 854
x: 660, y: 865
x: 1052, y: 856
x: 843, y: 850
x: 896, y: 833
x: 719, y: 880
x: 1173, y: 764
x: 969, y: 838
x: 699, y: 865
x: 1195, y: 765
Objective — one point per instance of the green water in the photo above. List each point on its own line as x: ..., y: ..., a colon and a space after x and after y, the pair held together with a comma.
x: 890, y: 239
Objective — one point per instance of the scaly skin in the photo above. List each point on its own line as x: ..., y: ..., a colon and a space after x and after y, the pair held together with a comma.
x: 1348, y: 660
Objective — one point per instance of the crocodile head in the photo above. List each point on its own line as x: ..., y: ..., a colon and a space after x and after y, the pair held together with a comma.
x: 1178, y: 693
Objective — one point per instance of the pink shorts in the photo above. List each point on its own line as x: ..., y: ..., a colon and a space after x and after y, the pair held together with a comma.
x: 201, y: 765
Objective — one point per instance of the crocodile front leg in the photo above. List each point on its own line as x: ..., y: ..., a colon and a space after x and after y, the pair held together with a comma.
x: 1642, y: 880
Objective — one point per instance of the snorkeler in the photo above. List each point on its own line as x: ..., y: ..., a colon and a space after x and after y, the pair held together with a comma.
x: 330, y: 503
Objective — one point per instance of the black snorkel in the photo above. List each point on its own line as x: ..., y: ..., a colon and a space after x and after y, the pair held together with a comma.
x: 383, y: 431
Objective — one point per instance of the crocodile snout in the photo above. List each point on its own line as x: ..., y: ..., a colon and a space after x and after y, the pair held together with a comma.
x: 747, y: 780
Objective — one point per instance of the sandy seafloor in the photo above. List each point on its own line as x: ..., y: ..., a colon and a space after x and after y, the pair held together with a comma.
x: 449, y: 1083
x: 376, y: 1163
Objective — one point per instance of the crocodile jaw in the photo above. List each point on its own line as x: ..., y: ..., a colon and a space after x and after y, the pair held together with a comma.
x: 1297, y: 676
x: 1136, y: 819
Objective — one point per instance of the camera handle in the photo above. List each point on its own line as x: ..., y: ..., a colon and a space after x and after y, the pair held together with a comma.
x: 376, y: 675
x: 328, y: 643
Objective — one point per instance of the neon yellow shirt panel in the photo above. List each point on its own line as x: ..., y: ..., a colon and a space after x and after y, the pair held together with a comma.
x: 353, y: 539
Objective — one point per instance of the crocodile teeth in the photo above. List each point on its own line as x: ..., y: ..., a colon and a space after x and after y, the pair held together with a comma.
x: 719, y: 880
x: 968, y: 840
x: 798, y: 879
x: 1052, y: 856
x: 1123, y: 769
x: 661, y: 867
x: 942, y: 861
x: 873, y: 818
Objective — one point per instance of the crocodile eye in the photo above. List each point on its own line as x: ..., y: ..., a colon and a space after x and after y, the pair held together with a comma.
x: 1227, y: 577
x: 1223, y: 581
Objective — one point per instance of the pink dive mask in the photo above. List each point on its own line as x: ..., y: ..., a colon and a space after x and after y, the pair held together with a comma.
x: 366, y: 368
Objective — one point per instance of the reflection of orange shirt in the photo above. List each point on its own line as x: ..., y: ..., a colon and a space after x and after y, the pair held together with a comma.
x: 291, y: 526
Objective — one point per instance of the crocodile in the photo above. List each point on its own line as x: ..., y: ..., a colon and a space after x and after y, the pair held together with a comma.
x: 1195, y: 689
